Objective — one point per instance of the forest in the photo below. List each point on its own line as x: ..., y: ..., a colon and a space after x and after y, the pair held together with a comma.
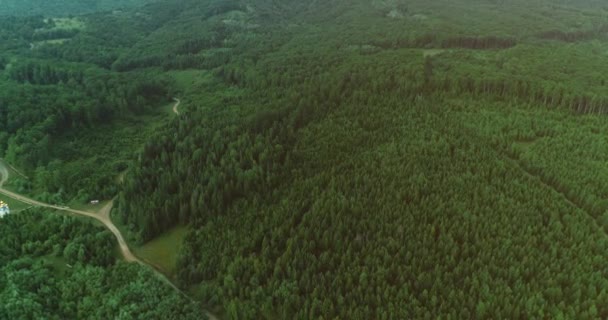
x: 58, y: 267
x: 63, y: 7
x: 383, y: 159
x: 380, y: 174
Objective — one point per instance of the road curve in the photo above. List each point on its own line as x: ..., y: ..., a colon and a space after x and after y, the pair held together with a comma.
x: 103, y: 216
x: 176, y: 106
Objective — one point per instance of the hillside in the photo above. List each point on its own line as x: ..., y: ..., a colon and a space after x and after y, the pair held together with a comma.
x: 388, y: 160
x: 382, y: 159
x: 62, y: 7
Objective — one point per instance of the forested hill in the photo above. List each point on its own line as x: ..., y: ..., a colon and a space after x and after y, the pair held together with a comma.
x: 62, y: 7
x: 348, y: 159
x: 382, y: 159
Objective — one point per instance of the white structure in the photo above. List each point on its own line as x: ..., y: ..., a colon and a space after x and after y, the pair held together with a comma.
x: 4, y: 209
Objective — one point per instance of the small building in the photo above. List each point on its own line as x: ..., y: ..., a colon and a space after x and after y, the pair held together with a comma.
x: 4, y: 209
x: 94, y: 201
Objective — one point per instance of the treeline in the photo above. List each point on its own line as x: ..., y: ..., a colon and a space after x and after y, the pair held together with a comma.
x: 550, y: 96
x: 62, y: 7
x: 206, y: 61
x: 428, y: 41
x: 45, y: 73
x: 574, y: 36
x: 59, y: 267
x: 55, y: 34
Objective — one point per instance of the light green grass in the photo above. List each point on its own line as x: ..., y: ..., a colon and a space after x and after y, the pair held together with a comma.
x: 68, y: 23
x: 14, y: 205
x: 162, y: 252
x: 432, y: 52
x: 58, y: 264
x: 51, y: 42
x: 87, y: 206
x: 188, y: 79
x: 168, y: 109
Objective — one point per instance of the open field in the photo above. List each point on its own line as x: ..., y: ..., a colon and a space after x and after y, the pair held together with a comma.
x: 163, y: 250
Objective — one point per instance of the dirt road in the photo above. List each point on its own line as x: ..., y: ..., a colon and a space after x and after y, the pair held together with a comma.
x: 176, y: 106
x: 102, y: 216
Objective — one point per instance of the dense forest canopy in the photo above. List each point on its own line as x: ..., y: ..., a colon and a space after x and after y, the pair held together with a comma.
x: 54, y: 267
x: 343, y: 159
x: 62, y: 7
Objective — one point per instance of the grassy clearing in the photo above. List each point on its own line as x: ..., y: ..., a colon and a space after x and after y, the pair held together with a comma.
x: 168, y: 109
x: 162, y: 252
x: 16, y: 206
x: 524, y: 146
x: 11, y: 170
x: 432, y: 52
x: 59, y: 265
x: 67, y: 23
x: 188, y: 79
x: 51, y: 42
x: 87, y: 206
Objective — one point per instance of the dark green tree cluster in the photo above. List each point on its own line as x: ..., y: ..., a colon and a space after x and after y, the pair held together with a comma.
x: 55, y: 34
x: 62, y: 7
x: 574, y: 36
x: 58, y: 267
x: 429, y: 41
x: 44, y: 73
x: 63, y: 236
x: 16, y: 32
x: 174, y: 47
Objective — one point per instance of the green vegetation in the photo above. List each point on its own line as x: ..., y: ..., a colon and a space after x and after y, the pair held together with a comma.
x: 364, y: 160
x: 339, y: 160
x: 62, y: 7
x: 57, y: 267
x: 162, y: 252
x: 14, y: 205
x: 62, y: 120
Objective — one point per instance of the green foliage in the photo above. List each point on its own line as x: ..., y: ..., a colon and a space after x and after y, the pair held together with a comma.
x: 92, y: 286
x: 343, y: 159
x: 332, y: 170
x: 62, y: 7
x: 43, y: 122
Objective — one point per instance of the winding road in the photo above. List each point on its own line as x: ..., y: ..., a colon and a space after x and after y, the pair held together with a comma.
x: 103, y: 216
x: 176, y: 106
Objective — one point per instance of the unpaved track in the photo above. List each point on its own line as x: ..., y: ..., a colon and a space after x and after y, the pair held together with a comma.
x: 103, y: 216
x: 176, y: 106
